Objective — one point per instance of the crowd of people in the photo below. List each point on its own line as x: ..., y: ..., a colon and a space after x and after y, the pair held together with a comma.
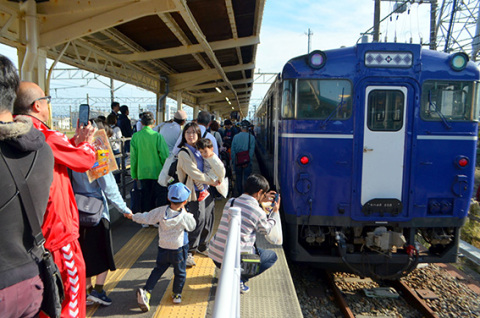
x: 55, y: 170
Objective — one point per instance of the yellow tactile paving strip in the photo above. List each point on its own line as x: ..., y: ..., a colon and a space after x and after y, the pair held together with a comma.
x: 125, y: 258
x: 195, y: 292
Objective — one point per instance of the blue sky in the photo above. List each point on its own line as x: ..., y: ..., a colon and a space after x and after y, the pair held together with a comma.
x: 334, y: 23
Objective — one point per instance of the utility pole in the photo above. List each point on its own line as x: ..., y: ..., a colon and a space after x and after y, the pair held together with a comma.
x: 112, y: 90
x: 309, y: 34
x: 376, y: 22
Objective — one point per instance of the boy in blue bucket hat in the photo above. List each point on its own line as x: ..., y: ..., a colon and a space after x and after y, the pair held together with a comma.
x: 174, y: 223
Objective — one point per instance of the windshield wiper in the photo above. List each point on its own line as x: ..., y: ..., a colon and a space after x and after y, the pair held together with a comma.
x: 324, y: 123
x: 432, y: 106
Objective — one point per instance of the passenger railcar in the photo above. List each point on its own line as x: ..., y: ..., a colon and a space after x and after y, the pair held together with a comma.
x: 372, y: 148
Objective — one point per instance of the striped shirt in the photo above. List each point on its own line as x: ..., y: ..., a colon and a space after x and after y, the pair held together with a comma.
x: 253, y: 220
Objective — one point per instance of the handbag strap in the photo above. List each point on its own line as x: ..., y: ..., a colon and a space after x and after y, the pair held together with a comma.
x: 185, y: 149
x: 24, y: 194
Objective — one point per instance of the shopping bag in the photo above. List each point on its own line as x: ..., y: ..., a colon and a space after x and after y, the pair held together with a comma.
x: 222, y: 188
x: 275, y: 236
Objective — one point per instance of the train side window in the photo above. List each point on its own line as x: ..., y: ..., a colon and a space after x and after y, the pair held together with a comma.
x: 288, y: 100
x: 321, y: 99
x: 385, y: 110
x: 452, y: 100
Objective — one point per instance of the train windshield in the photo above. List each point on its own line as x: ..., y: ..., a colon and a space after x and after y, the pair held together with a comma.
x: 322, y: 99
x: 449, y: 101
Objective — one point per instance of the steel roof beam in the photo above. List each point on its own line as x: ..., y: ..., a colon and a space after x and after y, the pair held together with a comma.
x: 192, y: 24
x: 58, y: 30
x: 187, y: 49
x: 181, y: 36
x: 213, y: 85
x: 179, y: 80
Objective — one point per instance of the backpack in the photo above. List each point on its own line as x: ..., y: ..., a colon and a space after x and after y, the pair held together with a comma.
x: 169, y: 175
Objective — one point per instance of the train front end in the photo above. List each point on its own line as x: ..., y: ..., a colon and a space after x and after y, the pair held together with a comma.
x: 376, y: 156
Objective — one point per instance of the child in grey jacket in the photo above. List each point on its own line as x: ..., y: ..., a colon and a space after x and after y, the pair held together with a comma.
x: 174, y: 223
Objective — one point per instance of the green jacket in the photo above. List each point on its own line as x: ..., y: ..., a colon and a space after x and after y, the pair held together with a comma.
x: 148, y: 152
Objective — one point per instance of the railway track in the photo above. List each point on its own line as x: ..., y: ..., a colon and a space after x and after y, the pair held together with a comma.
x: 409, y: 295
x: 429, y: 291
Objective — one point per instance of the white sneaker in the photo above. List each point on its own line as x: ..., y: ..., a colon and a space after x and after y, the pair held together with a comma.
x: 177, y: 298
x: 143, y: 299
x: 190, y: 260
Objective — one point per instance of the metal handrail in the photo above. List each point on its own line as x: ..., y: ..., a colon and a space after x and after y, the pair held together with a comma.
x: 122, y: 170
x: 227, y: 297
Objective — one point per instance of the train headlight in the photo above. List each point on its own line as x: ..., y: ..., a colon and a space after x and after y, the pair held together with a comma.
x: 458, y: 61
x: 317, y: 59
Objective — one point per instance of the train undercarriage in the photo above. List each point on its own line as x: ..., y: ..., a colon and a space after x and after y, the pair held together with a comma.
x: 380, y: 252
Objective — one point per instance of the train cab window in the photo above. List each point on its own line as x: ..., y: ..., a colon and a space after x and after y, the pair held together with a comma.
x: 385, y: 110
x: 321, y: 99
x: 449, y: 100
x: 288, y: 99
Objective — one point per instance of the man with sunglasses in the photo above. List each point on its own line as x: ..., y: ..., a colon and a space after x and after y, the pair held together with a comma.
x: 60, y: 224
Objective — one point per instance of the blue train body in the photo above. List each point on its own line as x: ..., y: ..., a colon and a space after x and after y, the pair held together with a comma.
x: 372, y: 148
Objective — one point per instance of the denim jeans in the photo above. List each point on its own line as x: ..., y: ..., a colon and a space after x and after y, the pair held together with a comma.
x: 267, y: 259
x: 178, y: 259
x: 241, y: 175
x: 153, y: 194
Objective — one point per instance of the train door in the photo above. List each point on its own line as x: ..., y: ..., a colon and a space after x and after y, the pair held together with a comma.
x: 384, y: 149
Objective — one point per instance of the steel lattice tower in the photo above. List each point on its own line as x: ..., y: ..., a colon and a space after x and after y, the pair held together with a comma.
x: 458, y: 27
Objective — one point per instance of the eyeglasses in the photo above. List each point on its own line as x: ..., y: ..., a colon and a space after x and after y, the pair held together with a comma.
x: 47, y: 98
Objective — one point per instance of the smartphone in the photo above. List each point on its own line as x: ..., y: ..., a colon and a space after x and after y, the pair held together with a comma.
x: 83, y: 114
x: 275, y: 200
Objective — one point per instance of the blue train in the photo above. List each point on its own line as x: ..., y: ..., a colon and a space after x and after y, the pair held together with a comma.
x: 373, y: 149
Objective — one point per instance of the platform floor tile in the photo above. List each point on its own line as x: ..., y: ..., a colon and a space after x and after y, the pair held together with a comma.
x: 195, y: 295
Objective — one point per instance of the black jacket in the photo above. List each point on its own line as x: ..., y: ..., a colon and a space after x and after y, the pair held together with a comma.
x: 20, y: 141
x: 125, y: 125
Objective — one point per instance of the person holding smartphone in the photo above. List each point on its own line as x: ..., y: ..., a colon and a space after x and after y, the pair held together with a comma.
x: 253, y: 219
x: 61, y: 225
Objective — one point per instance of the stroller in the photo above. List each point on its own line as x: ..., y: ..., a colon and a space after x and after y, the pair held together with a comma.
x: 225, y: 158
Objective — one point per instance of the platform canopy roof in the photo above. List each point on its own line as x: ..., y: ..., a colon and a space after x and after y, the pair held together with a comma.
x: 187, y: 46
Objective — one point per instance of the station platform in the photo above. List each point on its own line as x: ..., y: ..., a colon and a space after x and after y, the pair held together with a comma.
x: 272, y: 294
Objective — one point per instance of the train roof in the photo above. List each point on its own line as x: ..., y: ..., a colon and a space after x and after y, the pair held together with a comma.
x: 403, y: 57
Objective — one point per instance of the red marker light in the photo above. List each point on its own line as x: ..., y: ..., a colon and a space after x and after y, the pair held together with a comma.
x: 463, y: 162
x: 304, y: 160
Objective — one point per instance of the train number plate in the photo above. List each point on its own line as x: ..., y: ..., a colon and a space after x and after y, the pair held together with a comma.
x: 383, y: 206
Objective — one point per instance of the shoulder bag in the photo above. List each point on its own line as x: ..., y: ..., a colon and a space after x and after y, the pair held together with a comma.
x: 242, y: 158
x: 53, y: 293
x: 90, y: 210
